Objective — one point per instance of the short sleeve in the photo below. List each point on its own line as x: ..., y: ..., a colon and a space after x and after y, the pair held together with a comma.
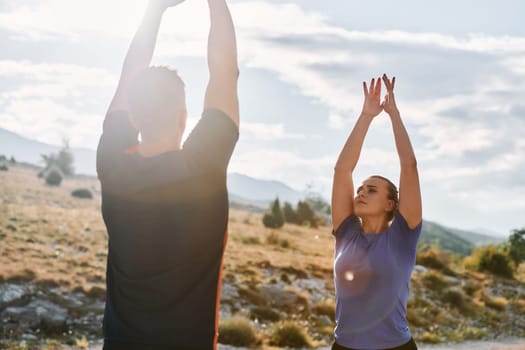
x: 210, y: 144
x: 118, y: 134
x: 347, y: 229
x: 404, y: 234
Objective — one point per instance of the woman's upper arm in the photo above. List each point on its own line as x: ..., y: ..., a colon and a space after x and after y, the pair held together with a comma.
x: 342, y: 197
x: 410, y: 195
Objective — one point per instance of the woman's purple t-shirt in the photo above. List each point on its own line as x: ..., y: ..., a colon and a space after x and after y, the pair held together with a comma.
x: 372, y: 281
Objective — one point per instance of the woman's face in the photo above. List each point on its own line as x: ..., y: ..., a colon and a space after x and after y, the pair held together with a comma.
x: 372, y: 198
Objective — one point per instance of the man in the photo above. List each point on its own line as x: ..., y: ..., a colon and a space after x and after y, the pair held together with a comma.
x: 165, y: 206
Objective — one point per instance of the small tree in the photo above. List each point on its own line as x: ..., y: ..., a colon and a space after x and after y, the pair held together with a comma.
x: 305, y: 214
x: 275, y: 218
x: 289, y: 213
x: 516, y: 246
x: 64, y: 159
x: 12, y: 160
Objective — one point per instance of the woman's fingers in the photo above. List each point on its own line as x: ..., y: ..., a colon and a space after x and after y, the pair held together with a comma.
x: 378, y: 87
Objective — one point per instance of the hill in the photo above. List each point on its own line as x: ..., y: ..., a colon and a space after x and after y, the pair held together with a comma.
x: 453, y: 240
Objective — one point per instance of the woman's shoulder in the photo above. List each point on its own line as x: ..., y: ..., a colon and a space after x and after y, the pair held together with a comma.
x: 351, y: 223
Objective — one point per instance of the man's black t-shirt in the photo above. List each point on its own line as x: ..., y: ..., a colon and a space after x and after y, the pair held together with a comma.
x: 166, y: 218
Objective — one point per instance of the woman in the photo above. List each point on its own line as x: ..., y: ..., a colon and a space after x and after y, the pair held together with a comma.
x: 376, y: 237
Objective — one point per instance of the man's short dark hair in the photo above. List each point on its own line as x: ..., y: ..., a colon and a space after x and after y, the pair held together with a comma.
x: 155, y: 94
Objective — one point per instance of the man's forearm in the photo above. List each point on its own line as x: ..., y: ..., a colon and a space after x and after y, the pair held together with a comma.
x: 222, y: 47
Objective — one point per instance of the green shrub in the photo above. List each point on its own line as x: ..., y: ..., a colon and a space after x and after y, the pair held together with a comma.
x: 434, y: 280
x: 236, y: 331
x: 54, y: 177
x: 82, y: 193
x: 492, y: 260
x: 270, y: 221
x: 3, y: 167
x: 453, y: 297
x: 264, y: 313
x: 471, y: 287
x: 289, y: 334
x: 434, y: 259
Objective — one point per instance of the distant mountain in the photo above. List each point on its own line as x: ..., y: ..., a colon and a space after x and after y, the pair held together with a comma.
x: 453, y: 240
x: 29, y: 151
x: 261, y: 192
x: 245, y: 191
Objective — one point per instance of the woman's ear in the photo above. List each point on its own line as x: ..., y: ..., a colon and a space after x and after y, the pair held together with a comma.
x: 390, y: 205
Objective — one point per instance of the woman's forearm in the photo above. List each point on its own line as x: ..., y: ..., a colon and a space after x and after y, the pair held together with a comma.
x: 349, y: 155
x: 402, y: 140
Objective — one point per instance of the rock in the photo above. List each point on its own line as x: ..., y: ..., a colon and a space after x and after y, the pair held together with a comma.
x: 420, y: 269
x: 10, y: 293
x: 229, y: 292
x: 38, y: 314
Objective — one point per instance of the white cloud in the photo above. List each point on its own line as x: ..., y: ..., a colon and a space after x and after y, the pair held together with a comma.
x: 267, y: 132
x: 50, y: 122
x: 338, y: 122
x: 285, y: 166
x: 49, y: 102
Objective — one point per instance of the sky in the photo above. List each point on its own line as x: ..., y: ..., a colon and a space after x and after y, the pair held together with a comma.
x: 460, y: 88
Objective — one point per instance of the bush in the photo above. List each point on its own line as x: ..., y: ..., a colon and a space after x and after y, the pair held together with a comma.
x: 434, y: 280
x: 264, y: 313
x: 289, y: 334
x: 54, y: 177
x: 454, y: 297
x: 326, y: 307
x: 3, y: 167
x: 236, y: 331
x: 471, y: 287
x: 434, y: 259
x: 492, y: 260
x: 270, y: 221
x: 82, y: 193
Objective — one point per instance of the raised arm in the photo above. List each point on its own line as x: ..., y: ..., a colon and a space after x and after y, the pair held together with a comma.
x: 343, y: 185
x: 409, y: 190
x: 221, y: 92
x: 140, y: 50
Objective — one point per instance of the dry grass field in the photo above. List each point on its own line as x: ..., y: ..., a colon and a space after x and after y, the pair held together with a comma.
x: 55, y: 242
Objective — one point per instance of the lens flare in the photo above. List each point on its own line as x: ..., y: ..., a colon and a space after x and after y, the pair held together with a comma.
x: 349, y: 275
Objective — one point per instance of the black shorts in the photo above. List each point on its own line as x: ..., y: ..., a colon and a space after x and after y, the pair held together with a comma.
x: 411, y: 345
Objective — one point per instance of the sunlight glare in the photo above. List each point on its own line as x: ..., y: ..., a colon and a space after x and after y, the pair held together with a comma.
x: 349, y: 275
